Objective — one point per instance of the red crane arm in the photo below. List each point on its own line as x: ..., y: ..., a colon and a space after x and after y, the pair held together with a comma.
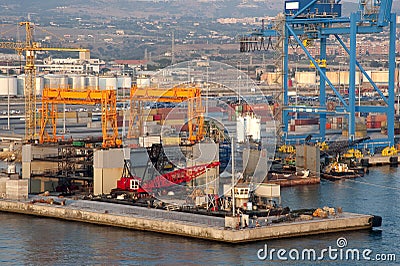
x: 177, y: 177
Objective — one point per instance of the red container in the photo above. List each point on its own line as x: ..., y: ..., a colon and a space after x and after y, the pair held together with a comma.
x: 377, y: 124
x: 157, y: 117
x: 303, y: 122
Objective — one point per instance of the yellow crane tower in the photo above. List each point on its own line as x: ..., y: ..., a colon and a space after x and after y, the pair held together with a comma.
x: 30, y: 47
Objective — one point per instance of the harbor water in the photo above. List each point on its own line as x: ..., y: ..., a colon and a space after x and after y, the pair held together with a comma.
x: 42, y: 241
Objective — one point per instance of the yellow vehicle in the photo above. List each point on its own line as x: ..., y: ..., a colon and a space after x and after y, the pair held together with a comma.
x: 389, y: 151
x: 287, y: 149
x: 353, y: 153
x: 323, y: 146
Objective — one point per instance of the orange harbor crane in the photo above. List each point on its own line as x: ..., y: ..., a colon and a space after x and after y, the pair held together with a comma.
x: 191, y: 95
x: 30, y: 47
x: 107, y: 98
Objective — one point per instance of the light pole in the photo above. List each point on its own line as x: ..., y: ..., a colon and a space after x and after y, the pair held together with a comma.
x: 8, y: 103
x: 339, y: 75
x: 207, y: 187
x: 207, y: 93
x: 359, y: 91
x: 233, y: 175
x: 398, y: 98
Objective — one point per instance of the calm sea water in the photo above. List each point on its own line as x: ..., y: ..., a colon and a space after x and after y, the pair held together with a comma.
x: 39, y: 241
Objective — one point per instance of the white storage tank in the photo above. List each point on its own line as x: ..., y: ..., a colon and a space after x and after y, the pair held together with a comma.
x: 77, y: 82
x: 124, y: 82
x: 8, y: 86
x: 240, y: 129
x: 39, y: 85
x: 21, y: 85
x: 254, y: 127
x: 143, y: 82
x: 55, y: 81
x: 92, y: 82
x: 108, y: 83
x: 248, y: 126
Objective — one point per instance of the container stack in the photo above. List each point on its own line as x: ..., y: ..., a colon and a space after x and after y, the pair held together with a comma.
x: 336, y: 123
x: 361, y: 128
x: 304, y: 125
x: 376, y: 120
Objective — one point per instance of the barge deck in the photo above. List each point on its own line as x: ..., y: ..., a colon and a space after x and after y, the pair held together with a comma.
x: 184, y: 224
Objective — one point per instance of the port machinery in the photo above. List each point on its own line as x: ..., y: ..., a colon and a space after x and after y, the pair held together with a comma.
x: 30, y: 47
x: 53, y: 96
x: 179, y: 94
x: 134, y: 186
x: 307, y: 21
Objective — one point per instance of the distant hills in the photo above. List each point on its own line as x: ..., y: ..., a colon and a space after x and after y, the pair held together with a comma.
x: 153, y: 8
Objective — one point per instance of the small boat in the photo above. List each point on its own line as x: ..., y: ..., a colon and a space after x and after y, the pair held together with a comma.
x: 338, y: 171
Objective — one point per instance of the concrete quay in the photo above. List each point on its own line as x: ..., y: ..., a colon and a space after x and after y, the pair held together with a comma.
x: 378, y: 160
x: 183, y: 224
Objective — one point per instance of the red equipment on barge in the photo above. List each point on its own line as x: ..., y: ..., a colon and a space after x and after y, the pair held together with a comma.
x: 133, y: 185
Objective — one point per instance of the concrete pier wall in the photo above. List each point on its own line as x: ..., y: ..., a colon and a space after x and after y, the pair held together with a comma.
x: 104, y: 216
x: 31, y: 156
x: 308, y: 157
x: 107, y: 167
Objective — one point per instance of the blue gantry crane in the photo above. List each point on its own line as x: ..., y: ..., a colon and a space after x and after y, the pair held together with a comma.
x: 306, y: 21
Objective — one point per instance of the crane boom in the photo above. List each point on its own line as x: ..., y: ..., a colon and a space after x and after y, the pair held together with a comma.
x: 30, y: 47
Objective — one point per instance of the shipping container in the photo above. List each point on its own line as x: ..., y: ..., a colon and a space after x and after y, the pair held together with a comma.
x: 309, y: 121
x: 157, y: 117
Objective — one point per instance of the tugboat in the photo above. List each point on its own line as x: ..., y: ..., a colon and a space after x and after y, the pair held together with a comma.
x: 337, y: 171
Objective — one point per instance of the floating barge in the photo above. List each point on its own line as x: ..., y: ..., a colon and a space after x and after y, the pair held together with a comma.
x: 293, y: 181
x: 185, y: 224
x: 378, y: 160
x: 336, y: 177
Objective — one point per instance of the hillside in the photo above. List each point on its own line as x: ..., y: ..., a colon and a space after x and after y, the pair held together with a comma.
x: 156, y: 9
